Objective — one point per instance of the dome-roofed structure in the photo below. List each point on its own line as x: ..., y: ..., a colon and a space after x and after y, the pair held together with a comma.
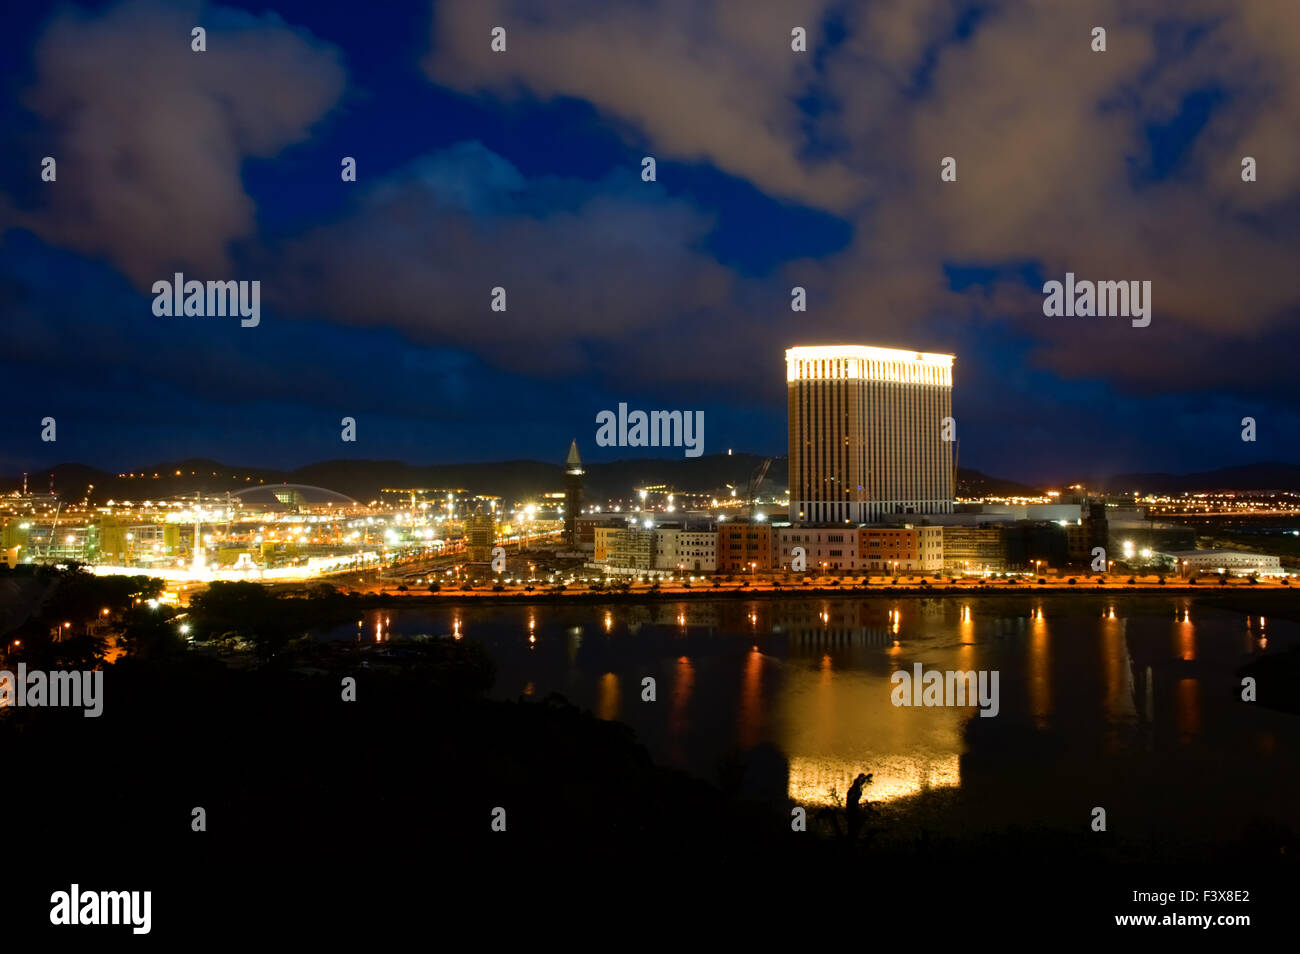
x: 291, y: 497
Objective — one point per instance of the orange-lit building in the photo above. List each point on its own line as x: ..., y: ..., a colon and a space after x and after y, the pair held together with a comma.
x: 603, y: 539
x: 744, y: 546
x: 901, y: 549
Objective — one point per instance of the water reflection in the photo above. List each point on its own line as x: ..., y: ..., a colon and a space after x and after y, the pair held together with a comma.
x: 1040, y: 673
x: 679, y: 707
x: 816, y: 781
x: 749, y: 721
x: 1126, y: 692
x: 610, y: 701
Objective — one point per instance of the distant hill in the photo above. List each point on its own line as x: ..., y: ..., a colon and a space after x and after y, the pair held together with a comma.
x: 512, y: 480
x: 364, y: 479
x: 973, y: 483
x: 1264, y: 476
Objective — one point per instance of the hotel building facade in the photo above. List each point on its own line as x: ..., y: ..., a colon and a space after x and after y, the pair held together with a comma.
x: 866, y: 434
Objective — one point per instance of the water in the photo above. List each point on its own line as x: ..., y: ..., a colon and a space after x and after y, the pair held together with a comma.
x: 1130, y: 703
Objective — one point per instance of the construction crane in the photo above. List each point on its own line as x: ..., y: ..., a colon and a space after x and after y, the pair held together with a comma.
x: 54, y: 530
x: 755, y: 481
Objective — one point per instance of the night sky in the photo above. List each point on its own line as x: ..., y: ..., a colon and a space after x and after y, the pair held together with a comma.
x: 523, y: 169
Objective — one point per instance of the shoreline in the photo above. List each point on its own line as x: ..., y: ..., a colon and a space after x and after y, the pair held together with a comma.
x: 666, y: 594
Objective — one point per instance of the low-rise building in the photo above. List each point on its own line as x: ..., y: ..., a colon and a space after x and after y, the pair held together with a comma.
x: 631, y: 549
x: 973, y: 550
x: 686, y: 551
x: 1231, y: 562
x: 744, y: 546
x: 901, y: 549
x: 828, y: 549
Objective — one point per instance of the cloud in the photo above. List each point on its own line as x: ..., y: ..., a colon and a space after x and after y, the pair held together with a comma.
x: 585, y: 265
x: 150, y: 136
x: 702, y: 81
x: 1053, y: 143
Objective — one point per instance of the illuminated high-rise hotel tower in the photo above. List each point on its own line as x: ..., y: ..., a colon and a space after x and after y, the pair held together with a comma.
x: 867, y: 433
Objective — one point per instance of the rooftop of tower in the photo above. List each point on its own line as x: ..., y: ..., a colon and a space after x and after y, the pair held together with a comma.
x: 573, y: 463
x: 863, y: 361
x: 865, y: 353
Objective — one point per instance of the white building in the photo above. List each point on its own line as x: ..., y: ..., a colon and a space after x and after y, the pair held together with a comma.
x: 690, y: 551
x: 825, y: 549
x: 1232, y: 562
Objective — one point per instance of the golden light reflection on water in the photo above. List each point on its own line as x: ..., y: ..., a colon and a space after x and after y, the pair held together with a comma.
x: 835, y: 721
x: 1189, y: 707
x: 894, y: 776
x: 1186, y: 639
x: 749, y: 719
x: 1114, y: 663
x: 823, y: 701
x: 608, y: 700
x: 966, y: 636
x: 1040, y: 678
x: 683, y: 686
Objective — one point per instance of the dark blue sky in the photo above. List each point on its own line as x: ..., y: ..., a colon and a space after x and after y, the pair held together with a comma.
x: 522, y: 170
